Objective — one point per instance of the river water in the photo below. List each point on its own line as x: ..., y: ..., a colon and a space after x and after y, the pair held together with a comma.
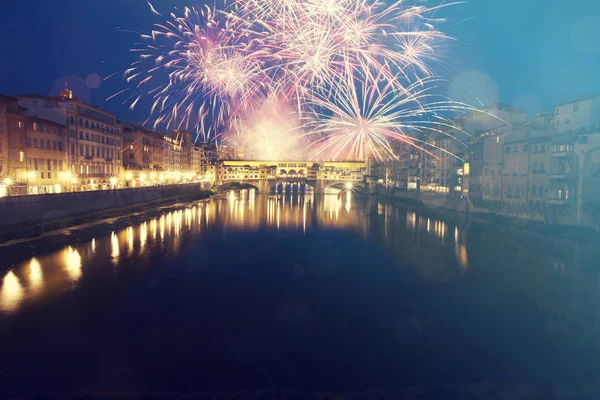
x: 308, y: 292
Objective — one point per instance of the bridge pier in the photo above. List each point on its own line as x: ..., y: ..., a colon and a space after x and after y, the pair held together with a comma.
x: 264, y: 186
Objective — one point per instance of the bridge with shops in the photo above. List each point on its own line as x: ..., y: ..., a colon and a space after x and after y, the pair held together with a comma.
x: 281, y: 176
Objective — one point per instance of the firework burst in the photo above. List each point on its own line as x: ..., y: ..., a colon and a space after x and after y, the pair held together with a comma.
x: 358, y: 70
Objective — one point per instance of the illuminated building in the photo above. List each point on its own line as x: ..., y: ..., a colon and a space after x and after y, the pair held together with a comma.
x: 185, y: 142
x: 197, y: 157
x: 93, y: 141
x: 46, y: 157
x: 12, y: 148
x: 143, y: 155
x: 267, y: 173
x: 172, y: 157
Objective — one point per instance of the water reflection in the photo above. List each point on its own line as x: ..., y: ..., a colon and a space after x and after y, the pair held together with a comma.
x: 73, y: 263
x: 437, y: 249
x: 143, y: 235
x: 35, y: 273
x: 114, y: 246
x: 11, y: 293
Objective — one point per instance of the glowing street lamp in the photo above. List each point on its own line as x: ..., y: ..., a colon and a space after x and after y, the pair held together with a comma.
x: 8, y: 181
x: 113, y: 181
x: 349, y: 186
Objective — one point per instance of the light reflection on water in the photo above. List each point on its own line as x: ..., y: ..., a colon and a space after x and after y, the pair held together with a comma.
x: 424, y: 241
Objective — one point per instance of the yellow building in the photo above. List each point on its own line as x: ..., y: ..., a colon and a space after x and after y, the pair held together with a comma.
x: 93, y: 141
x: 143, y: 156
x: 46, y: 157
x: 347, y: 171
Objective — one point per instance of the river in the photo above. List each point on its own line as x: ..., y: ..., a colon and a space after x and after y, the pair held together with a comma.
x: 308, y: 292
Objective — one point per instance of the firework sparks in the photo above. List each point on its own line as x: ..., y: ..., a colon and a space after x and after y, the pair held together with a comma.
x: 359, y: 69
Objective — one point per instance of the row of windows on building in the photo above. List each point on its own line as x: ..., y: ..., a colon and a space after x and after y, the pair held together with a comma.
x: 98, y: 152
x: 37, y: 143
x: 292, y: 165
x: 42, y: 164
x: 40, y: 127
x: 94, y: 125
x: 99, y: 138
x: 96, y: 170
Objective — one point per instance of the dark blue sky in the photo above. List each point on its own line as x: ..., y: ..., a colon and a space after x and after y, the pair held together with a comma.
x: 528, y: 53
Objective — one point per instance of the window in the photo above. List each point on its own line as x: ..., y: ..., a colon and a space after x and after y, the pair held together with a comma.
x: 21, y: 124
x: 567, y: 121
x: 22, y: 139
x: 487, y: 188
x: 35, y: 126
x: 81, y: 135
x: 541, y: 190
x: 535, y: 148
x: 72, y: 120
x: 48, y: 146
x: 515, y: 168
x: 486, y: 170
x: 29, y: 142
x: 87, y: 124
x: 524, y: 168
x: 542, y: 169
x: 81, y: 150
x: 506, y: 168
x: 54, y: 145
x: 543, y: 148
x: 526, y: 147
x: 507, y: 149
x: 510, y: 191
x: 515, y: 148
x: 21, y: 156
x: 576, y: 107
x: 533, y: 190
x: 42, y: 144
x: 87, y: 136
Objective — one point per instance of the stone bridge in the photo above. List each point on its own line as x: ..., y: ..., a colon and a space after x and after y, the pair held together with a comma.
x: 267, y: 176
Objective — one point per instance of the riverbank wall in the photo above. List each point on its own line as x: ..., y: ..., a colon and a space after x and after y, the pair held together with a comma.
x: 18, y: 212
x: 537, y: 217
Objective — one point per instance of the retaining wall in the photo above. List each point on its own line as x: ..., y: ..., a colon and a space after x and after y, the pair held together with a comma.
x: 29, y: 210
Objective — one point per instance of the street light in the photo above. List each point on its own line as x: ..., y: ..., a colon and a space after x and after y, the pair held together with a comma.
x: 8, y: 181
x: 113, y: 181
x: 349, y: 186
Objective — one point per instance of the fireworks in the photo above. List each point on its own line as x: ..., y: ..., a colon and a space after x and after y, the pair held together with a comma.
x: 355, y: 72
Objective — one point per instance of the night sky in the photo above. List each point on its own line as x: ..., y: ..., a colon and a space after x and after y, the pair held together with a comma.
x: 527, y: 53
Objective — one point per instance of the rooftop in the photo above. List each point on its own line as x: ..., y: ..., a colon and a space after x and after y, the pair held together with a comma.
x: 577, y: 100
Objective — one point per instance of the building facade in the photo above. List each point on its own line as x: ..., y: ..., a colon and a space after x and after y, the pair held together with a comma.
x: 46, y: 157
x: 197, y: 156
x: 94, y: 137
x: 143, y: 155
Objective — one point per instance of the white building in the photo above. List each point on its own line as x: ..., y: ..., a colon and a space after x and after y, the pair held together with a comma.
x: 577, y: 115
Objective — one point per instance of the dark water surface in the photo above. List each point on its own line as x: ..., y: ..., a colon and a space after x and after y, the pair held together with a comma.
x: 312, y: 293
